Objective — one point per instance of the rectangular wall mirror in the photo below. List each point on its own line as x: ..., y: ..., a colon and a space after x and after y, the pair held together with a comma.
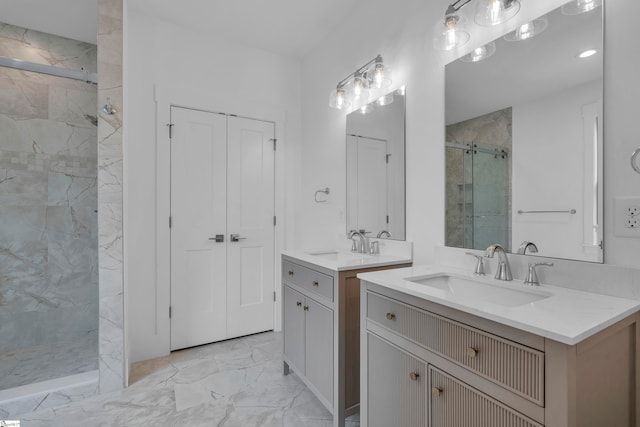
x: 524, y: 141
x: 376, y: 168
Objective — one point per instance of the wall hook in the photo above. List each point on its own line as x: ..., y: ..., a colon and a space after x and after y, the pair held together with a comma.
x: 323, y: 191
x: 108, y: 108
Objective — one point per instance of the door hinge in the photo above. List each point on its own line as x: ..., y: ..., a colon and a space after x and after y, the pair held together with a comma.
x: 170, y: 125
x: 170, y: 221
x: 387, y: 219
x: 169, y: 312
x: 274, y: 221
x: 387, y: 158
x: 274, y: 143
x: 274, y: 296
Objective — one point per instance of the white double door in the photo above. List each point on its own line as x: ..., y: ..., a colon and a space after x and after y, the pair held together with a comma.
x: 222, y: 227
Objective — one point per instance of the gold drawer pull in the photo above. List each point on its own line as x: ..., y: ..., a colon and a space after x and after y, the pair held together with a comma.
x: 306, y: 308
x: 290, y: 272
x: 472, y: 352
x: 315, y: 283
x: 298, y: 303
x: 391, y: 316
x: 414, y: 376
x: 436, y: 391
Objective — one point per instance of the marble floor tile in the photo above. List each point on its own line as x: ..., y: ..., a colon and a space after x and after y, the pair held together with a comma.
x: 235, y: 383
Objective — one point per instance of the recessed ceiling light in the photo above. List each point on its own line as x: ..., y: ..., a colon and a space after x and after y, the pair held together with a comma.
x: 587, y: 53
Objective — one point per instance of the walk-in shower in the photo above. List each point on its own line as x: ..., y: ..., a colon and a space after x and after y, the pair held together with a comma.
x: 478, y: 193
x: 48, y: 208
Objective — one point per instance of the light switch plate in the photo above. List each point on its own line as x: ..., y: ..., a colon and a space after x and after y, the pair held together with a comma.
x: 627, y: 217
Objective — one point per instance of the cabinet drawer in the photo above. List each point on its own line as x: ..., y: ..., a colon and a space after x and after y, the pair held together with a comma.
x: 308, y: 279
x: 513, y: 366
x: 455, y: 404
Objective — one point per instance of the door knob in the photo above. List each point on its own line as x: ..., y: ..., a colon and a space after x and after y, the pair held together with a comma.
x: 236, y: 237
x: 414, y: 376
x: 218, y: 239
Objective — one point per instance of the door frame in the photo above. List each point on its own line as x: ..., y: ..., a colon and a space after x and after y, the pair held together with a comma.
x: 165, y: 98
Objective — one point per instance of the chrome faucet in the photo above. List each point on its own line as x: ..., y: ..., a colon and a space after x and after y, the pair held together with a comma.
x: 384, y: 232
x: 361, y: 245
x: 532, y: 276
x: 503, y: 271
x: 533, y: 249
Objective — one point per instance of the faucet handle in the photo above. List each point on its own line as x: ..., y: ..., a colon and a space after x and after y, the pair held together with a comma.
x: 532, y: 276
x: 479, y: 270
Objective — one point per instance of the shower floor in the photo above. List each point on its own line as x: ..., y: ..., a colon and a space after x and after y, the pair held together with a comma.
x: 47, y: 362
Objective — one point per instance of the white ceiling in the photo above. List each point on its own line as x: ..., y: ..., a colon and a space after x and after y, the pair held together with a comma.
x: 287, y: 27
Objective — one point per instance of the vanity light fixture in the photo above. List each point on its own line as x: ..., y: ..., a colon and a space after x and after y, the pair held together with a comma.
x: 577, y: 7
x: 355, y: 91
x: 495, y: 12
x: 450, y: 33
x: 480, y: 53
x: 587, y: 53
x: 528, y: 30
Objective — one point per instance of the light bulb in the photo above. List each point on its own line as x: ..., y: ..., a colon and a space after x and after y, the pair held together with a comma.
x: 586, y: 5
x: 450, y: 35
x: 525, y: 31
x: 340, y: 99
x: 494, y: 12
x: 378, y: 75
x: 358, y: 86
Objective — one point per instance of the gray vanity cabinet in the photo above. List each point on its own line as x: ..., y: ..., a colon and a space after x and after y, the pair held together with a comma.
x: 450, y: 400
x: 321, y: 328
x: 308, y: 341
x: 462, y: 370
x: 396, y: 386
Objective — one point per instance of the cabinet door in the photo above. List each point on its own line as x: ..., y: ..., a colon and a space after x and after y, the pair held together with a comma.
x: 319, y: 347
x: 455, y: 404
x: 396, y: 386
x: 293, y: 327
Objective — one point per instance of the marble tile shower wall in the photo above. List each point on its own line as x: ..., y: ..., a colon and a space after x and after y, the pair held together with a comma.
x: 48, y: 194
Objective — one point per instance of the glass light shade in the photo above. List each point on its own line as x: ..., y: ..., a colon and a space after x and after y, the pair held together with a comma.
x: 380, y: 76
x: 480, y: 53
x: 365, y: 109
x: 528, y: 30
x: 339, y: 99
x: 580, y: 6
x: 450, y: 33
x: 494, y: 12
x: 385, y: 100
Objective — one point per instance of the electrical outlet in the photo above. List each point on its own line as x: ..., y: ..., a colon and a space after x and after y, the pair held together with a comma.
x: 632, y: 223
x: 627, y: 217
x: 632, y: 211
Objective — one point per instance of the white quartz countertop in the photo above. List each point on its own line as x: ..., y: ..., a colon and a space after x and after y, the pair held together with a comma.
x: 340, y: 260
x: 561, y: 314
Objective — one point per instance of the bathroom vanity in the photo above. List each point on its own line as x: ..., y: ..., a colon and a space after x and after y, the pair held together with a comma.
x: 443, y: 348
x: 321, y: 322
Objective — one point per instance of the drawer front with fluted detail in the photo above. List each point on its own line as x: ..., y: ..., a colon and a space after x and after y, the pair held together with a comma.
x: 515, y: 367
x: 308, y: 279
x: 452, y: 399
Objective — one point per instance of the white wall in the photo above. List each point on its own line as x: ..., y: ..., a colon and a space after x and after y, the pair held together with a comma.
x: 548, y: 171
x: 402, y: 34
x: 174, y: 64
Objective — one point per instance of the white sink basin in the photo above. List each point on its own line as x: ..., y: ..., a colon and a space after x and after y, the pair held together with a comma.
x: 507, y: 295
x: 339, y: 256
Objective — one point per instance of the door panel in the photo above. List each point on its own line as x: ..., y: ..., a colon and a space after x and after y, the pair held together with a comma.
x: 294, y: 332
x: 396, y: 386
x: 250, y: 208
x: 319, y: 347
x: 198, y: 191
